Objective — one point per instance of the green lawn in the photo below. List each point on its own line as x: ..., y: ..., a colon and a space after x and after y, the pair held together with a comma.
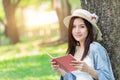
x: 26, y: 61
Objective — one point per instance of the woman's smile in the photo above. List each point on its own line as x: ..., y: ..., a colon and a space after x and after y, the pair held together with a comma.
x: 78, y: 35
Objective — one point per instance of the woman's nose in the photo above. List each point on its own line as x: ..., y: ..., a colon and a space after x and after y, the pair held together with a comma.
x: 77, y: 29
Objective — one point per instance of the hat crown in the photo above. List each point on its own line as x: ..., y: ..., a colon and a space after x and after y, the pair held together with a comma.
x: 81, y: 11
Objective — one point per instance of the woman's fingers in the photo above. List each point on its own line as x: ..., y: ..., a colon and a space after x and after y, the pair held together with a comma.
x: 55, y: 66
x: 76, y: 62
x: 81, y: 65
x: 76, y: 65
x: 53, y: 63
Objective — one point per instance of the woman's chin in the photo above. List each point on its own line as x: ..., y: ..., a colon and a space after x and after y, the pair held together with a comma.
x: 78, y: 39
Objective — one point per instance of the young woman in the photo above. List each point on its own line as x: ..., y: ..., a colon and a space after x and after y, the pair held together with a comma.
x: 92, y: 61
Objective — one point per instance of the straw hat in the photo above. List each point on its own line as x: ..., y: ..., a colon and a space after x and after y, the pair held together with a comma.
x: 92, y: 18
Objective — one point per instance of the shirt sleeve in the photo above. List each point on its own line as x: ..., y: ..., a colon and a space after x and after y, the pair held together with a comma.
x: 101, y: 62
x: 68, y: 76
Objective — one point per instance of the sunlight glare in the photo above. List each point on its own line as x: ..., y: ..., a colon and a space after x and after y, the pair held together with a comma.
x: 37, y: 18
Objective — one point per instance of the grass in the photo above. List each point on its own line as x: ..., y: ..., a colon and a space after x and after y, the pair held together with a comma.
x: 25, y: 61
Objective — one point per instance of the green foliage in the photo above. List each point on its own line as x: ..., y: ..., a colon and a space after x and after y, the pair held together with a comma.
x: 2, y: 14
x: 75, y: 4
x: 36, y: 4
x: 28, y: 62
x: 3, y: 39
x: 31, y: 2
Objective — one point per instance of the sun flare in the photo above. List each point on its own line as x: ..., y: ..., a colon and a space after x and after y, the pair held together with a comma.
x: 37, y: 18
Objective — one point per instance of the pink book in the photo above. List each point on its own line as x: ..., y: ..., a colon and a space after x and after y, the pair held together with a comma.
x: 64, y: 62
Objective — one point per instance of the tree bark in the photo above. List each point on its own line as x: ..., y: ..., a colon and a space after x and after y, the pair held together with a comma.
x: 109, y: 23
x: 11, y: 28
x: 63, y: 9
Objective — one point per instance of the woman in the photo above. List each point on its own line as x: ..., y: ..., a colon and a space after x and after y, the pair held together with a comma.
x: 92, y: 61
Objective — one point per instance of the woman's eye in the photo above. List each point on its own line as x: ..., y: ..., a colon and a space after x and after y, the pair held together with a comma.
x: 82, y: 26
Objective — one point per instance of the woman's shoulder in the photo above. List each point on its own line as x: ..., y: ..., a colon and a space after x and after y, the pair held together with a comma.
x: 96, y: 45
x: 97, y: 48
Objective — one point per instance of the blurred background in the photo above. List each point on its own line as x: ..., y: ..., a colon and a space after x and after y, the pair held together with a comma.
x: 28, y: 30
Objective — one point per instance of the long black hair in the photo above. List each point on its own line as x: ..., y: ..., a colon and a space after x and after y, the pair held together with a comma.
x: 72, y: 43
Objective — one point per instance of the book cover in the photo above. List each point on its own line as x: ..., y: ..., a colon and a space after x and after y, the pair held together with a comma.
x: 64, y: 62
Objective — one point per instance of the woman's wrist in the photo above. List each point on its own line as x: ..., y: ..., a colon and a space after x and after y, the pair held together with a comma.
x: 62, y: 72
x: 92, y: 72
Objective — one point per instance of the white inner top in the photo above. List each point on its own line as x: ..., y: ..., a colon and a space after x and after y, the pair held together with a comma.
x: 80, y: 75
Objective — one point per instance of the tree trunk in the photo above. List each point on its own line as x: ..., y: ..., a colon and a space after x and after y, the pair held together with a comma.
x: 11, y: 28
x: 109, y: 23
x: 63, y: 9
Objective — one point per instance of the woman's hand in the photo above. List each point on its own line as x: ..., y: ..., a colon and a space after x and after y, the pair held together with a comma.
x: 81, y: 65
x: 57, y: 68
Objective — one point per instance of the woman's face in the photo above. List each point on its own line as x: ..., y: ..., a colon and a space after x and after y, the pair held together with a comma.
x: 79, y: 30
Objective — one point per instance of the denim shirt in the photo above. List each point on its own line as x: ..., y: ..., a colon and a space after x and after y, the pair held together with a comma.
x: 100, y: 61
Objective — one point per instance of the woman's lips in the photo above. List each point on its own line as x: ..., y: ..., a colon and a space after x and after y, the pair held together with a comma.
x: 78, y: 35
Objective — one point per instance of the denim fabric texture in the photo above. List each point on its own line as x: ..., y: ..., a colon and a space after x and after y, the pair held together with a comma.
x: 68, y: 76
x: 101, y: 63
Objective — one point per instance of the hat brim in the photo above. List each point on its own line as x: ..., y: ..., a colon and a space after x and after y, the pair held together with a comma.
x: 68, y: 18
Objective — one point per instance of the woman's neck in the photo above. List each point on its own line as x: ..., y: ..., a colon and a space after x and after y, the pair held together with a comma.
x: 82, y: 44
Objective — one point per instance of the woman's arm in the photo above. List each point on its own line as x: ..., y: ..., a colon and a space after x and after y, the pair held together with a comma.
x: 93, y: 73
x: 101, y: 62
